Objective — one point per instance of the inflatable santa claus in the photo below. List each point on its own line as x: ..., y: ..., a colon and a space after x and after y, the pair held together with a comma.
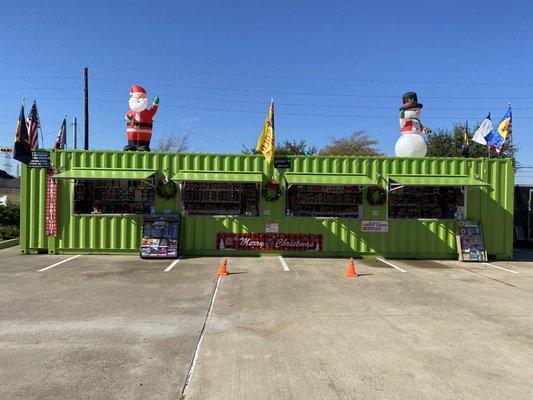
x: 411, y: 143
x: 140, y: 120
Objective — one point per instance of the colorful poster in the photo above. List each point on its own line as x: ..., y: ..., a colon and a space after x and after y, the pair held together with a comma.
x: 50, y: 219
x: 269, y: 241
x: 470, y: 243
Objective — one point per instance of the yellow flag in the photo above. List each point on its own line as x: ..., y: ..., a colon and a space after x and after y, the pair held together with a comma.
x: 266, y: 142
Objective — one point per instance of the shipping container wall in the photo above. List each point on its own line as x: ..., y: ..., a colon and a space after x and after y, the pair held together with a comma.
x: 342, y: 236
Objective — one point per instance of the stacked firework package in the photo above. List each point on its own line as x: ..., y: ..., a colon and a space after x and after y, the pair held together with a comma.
x: 160, y: 236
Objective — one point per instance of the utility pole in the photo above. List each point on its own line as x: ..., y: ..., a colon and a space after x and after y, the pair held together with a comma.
x: 86, y: 103
x: 75, y: 132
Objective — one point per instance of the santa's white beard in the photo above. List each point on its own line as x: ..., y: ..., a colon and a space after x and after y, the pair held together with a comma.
x: 138, y: 104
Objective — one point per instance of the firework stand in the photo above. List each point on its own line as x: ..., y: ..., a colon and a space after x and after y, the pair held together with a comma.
x: 168, y: 204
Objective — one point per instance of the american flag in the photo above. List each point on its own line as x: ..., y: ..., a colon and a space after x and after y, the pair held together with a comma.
x: 33, y: 125
x: 61, y: 139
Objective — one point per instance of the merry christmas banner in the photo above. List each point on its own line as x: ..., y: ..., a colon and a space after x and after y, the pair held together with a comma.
x: 269, y: 241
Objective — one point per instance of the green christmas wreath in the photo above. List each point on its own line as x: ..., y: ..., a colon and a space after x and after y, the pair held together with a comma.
x: 376, y: 195
x: 166, y: 189
x: 271, y: 191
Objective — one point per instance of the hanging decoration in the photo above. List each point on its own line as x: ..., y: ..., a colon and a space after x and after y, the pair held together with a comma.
x: 411, y: 143
x: 166, y: 189
x: 376, y: 195
x: 271, y: 191
x: 139, y: 120
x: 51, y: 220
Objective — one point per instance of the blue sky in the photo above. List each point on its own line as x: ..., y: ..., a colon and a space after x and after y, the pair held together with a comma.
x: 332, y: 67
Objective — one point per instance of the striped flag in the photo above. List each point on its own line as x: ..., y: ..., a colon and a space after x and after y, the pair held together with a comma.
x: 266, y: 141
x: 33, y: 125
x: 61, y: 139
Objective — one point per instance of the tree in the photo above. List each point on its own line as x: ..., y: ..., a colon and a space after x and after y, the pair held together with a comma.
x: 173, y: 143
x: 357, y: 144
x: 444, y: 143
x: 288, y: 148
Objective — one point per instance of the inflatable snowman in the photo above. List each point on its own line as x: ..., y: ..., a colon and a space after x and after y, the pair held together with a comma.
x: 411, y: 143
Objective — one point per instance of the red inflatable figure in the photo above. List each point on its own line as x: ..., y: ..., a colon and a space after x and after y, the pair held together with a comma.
x: 140, y: 120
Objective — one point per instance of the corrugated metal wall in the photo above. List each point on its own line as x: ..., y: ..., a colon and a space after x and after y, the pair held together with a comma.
x: 407, y: 238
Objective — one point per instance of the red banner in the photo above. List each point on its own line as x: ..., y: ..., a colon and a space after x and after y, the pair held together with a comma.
x: 50, y: 222
x: 269, y: 241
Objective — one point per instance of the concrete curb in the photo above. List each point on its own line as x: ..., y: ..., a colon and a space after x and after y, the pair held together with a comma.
x: 4, y: 244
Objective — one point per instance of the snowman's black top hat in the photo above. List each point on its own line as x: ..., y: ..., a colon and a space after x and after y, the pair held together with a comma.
x: 410, y: 100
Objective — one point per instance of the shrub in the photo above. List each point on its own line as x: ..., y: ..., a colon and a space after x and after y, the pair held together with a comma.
x: 10, y: 215
x: 9, y: 232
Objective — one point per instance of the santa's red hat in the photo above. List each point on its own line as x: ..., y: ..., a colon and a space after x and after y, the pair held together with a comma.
x: 137, y: 89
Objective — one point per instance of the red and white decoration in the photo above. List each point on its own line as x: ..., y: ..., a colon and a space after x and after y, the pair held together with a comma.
x: 269, y: 241
x: 140, y: 120
x: 50, y: 222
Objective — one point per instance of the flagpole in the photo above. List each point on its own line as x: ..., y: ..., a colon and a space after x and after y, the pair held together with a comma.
x: 39, y: 124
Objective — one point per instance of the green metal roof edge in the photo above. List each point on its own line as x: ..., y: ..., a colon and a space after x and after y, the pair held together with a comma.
x: 134, y: 174
x: 430, y: 178
x: 233, y: 175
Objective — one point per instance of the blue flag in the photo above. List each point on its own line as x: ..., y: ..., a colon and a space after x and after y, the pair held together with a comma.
x: 501, y: 132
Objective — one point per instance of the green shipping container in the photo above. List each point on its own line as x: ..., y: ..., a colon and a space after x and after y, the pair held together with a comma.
x: 488, y: 183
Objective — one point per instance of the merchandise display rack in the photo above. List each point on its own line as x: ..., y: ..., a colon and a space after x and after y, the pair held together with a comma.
x: 160, y: 236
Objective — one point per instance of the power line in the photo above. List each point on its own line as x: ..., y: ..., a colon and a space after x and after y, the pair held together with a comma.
x: 163, y: 105
x: 351, y: 106
x: 276, y: 92
x: 276, y: 76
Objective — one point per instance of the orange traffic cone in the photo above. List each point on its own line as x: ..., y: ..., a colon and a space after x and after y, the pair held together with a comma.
x: 223, y: 268
x: 351, y: 272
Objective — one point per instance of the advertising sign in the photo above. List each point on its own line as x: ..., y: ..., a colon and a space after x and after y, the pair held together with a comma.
x: 470, y: 243
x: 39, y: 159
x: 50, y: 218
x: 375, y: 226
x: 269, y: 241
x: 272, y: 227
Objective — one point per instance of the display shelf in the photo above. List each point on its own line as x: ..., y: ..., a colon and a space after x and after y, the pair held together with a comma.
x: 323, y: 201
x: 425, y: 203
x: 217, y: 198
x: 113, y: 197
x: 160, y: 236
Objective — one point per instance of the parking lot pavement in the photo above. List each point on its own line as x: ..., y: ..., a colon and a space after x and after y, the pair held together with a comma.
x: 99, y: 327
x: 435, y: 331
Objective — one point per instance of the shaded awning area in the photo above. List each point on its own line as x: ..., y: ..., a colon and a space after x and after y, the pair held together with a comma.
x: 436, y: 180
x: 328, y: 179
x: 105, y: 173
x: 248, y: 177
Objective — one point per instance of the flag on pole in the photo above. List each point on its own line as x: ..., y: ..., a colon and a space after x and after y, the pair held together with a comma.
x: 500, y: 133
x: 466, y: 142
x: 61, y: 139
x: 266, y: 142
x: 22, y: 147
x: 483, y: 131
x: 33, y: 124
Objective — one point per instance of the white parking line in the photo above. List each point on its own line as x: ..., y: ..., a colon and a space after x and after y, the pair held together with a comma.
x: 283, y: 263
x: 505, y: 269
x: 524, y: 251
x: 173, y: 264
x: 392, y: 265
x: 58, y: 263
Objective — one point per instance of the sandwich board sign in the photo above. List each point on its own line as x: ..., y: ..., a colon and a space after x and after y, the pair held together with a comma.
x: 470, y: 243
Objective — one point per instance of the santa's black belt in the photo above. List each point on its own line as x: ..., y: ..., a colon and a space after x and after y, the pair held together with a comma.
x: 140, y: 124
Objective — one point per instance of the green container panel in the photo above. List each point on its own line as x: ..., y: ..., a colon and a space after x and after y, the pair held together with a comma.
x: 407, y: 238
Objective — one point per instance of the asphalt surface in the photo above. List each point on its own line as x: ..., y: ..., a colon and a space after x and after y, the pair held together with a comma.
x: 117, y: 327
